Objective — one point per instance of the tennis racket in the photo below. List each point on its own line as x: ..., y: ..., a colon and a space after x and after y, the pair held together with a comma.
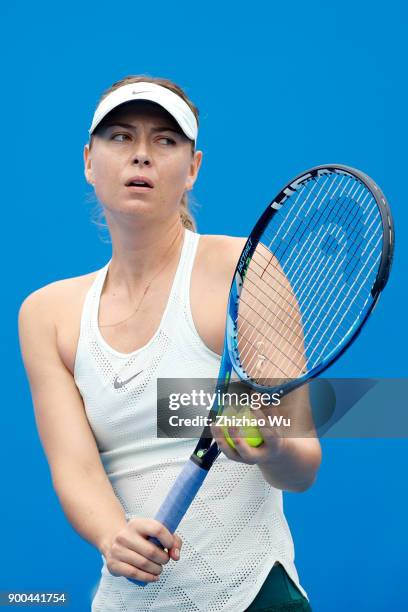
x: 306, y: 282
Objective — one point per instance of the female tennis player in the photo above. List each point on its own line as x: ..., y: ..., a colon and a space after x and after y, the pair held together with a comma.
x: 94, y: 347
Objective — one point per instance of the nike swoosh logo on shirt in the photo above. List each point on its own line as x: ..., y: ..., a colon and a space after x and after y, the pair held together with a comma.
x: 118, y: 384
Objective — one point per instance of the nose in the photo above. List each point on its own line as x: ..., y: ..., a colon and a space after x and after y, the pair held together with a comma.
x: 141, y: 153
x: 142, y: 159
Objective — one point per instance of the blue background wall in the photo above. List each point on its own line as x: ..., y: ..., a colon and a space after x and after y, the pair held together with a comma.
x: 280, y: 86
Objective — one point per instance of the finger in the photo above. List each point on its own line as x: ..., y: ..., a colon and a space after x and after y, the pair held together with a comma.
x: 246, y: 453
x: 223, y: 445
x: 273, y: 438
x: 129, y: 571
x: 153, y: 528
x: 139, y: 544
x: 174, y: 551
x: 242, y: 451
x: 178, y: 542
x: 273, y: 441
x: 134, y: 559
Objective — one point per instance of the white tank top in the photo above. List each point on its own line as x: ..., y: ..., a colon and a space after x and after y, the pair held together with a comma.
x: 235, y: 529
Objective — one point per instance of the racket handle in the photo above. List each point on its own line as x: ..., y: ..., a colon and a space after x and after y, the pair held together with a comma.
x: 178, y: 500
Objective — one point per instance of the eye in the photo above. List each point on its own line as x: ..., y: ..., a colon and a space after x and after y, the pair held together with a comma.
x: 166, y: 140
x: 114, y: 136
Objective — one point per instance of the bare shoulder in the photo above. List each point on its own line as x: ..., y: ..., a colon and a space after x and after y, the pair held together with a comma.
x: 45, y: 303
x: 56, y: 291
x: 49, y: 319
x: 221, y: 253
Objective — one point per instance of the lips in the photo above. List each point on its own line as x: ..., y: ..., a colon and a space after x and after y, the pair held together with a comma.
x: 139, y: 181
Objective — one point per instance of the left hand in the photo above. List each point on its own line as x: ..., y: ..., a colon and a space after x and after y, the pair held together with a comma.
x: 267, y: 452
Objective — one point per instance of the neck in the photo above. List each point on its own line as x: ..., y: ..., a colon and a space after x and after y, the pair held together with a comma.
x: 138, y: 255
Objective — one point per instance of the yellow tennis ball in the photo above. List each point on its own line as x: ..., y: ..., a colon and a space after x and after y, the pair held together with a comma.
x: 250, y: 433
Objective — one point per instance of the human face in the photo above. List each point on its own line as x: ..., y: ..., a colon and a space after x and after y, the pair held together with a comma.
x: 141, y: 139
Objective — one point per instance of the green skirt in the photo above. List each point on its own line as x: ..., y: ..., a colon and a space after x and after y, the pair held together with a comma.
x: 279, y: 594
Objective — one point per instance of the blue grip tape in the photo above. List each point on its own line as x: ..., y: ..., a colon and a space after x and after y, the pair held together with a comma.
x: 178, y: 500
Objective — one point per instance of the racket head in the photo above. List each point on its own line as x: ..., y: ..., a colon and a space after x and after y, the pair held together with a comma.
x: 308, y: 277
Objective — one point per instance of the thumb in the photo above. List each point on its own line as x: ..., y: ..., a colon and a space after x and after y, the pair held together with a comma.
x: 174, y: 551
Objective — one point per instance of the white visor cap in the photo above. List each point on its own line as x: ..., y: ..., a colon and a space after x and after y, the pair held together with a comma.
x: 166, y: 98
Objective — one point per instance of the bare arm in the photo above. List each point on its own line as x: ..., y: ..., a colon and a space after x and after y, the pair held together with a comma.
x: 78, y: 476
x: 295, y: 460
x: 77, y: 473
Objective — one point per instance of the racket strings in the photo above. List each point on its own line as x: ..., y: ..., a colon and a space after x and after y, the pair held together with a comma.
x: 270, y: 259
x: 306, y: 251
x: 267, y: 338
x: 319, y: 328
x: 328, y: 214
x: 325, y: 281
x: 343, y: 318
x: 278, y: 371
x: 278, y: 274
x: 341, y: 315
x: 259, y: 291
x: 288, y: 227
x: 299, y: 263
x: 374, y: 209
x: 303, y: 291
x: 347, y: 288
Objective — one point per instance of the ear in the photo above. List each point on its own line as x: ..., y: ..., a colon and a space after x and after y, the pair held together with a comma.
x: 194, y: 168
x: 88, y: 165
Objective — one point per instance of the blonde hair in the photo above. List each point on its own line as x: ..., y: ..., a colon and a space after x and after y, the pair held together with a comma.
x: 187, y: 218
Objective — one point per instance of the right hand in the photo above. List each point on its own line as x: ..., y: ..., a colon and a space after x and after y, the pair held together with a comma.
x: 132, y: 555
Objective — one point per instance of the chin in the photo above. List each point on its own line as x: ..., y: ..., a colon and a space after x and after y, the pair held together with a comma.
x: 136, y: 209
x: 131, y: 206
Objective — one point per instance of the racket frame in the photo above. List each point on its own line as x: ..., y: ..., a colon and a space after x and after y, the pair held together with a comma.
x: 231, y: 338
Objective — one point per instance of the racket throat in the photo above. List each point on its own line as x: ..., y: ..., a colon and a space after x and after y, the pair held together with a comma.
x: 206, y: 450
x: 205, y: 457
